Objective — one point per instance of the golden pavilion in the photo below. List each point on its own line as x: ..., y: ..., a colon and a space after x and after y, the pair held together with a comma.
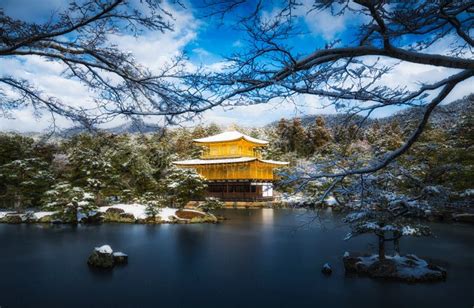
x: 232, y: 164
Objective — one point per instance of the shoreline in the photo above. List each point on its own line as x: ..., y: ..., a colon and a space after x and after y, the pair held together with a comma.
x: 135, y: 214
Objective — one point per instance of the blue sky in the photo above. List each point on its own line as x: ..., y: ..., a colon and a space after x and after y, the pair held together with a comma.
x: 206, y: 42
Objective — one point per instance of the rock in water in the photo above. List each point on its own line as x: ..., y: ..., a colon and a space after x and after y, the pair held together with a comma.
x: 407, y: 268
x: 102, y: 257
x: 465, y: 217
x: 13, y: 219
x: 326, y: 270
x: 120, y: 257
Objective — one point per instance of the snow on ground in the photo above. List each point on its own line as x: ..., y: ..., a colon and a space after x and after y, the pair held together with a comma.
x: 5, y: 213
x: 139, y: 210
x: 39, y: 215
x: 294, y: 198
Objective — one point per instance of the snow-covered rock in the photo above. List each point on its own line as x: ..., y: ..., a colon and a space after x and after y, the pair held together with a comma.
x: 120, y: 257
x: 139, y: 210
x: 326, y: 269
x: 104, y: 249
x: 407, y: 268
x: 464, y: 217
x: 102, y: 257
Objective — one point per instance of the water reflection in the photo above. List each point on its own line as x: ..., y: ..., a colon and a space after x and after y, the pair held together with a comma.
x: 267, y: 216
x: 257, y: 258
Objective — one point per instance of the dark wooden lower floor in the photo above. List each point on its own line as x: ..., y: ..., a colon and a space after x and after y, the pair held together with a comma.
x: 240, y: 191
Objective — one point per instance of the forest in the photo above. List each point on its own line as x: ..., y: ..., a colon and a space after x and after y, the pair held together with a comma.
x: 101, y: 168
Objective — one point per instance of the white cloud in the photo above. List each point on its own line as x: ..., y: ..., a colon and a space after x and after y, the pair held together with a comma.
x: 152, y: 50
x: 237, y: 44
x: 325, y: 24
x: 262, y: 114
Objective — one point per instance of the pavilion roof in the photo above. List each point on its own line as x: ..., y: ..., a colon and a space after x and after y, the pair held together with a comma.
x: 230, y: 136
x: 226, y: 161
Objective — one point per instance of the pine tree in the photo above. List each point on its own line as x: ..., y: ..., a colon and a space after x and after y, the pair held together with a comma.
x: 298, y: 141
x: 23, y: 181
x: 91, y: 163
x: 72, y: 203
x: 318, y: 135
x: 182, y: 185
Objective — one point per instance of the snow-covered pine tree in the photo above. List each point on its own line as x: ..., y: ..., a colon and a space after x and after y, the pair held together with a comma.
x: 72, y: 203
x: 23, y: 181
x: 182, y: 185
x: 211, y: 204
x: 380, y: 211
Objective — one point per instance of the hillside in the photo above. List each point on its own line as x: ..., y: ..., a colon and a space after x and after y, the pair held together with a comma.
x: 443, y: 116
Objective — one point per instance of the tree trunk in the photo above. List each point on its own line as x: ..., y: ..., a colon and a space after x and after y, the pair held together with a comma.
x: 381, y: 247
x: 396, y: 242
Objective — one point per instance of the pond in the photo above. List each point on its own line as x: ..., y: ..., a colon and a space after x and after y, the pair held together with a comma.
x: 257, y: 258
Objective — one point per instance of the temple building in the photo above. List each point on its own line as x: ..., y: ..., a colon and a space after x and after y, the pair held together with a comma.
x: 232, y: 164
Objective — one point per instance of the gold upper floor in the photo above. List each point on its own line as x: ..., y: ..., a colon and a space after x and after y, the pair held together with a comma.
x: 240, y: 148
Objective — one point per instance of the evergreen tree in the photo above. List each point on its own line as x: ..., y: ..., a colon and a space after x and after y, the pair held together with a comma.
x: 318, y: 135
x: 298, y: 142
x: 23, y: 181
x: 91, y: 161
x: 182, y: 185
x: 283, y: 136
x: 71, y: 202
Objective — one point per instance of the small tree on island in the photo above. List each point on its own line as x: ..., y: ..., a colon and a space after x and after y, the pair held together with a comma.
x: 153, y: 202
x: 386, y: 214
x: 211, y: 204
x: 182, y: 185
x: 71, y: 203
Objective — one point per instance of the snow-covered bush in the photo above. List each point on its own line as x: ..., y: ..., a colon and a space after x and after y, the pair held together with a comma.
x: 211, y: 204
x: 182, y: 185
x: 71, y: 203
x: 23, y: 181
x: 153, y: 202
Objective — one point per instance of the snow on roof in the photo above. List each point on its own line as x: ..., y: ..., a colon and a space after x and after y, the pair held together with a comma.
x: 226, y: 161
x: 230, y: 136
x: 214, y: 161
x: 275, y: 162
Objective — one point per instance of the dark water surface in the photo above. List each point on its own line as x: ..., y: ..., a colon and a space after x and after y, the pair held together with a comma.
x: 258, y: 258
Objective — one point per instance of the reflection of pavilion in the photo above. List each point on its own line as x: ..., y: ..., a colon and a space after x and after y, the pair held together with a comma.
x: 233, y: 167
x: 267, y: 216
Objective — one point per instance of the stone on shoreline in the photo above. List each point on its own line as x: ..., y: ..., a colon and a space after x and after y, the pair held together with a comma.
x: 12, y: 219
x: 464, y: 217
x: 114, y: 210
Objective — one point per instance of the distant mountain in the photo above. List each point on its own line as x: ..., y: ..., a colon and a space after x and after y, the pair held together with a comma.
x: 135, y: 127
x: 132, y: 127
x: 442, y: 116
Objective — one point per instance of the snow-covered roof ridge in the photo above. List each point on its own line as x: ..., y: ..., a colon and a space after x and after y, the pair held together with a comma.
x: 214, y: 161
x: 226, y: 161
x: 230, y: 136
x: 276, y: 162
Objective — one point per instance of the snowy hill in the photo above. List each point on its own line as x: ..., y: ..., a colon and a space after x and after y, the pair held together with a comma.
x: 132, y: 127
x: 443, y: 116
